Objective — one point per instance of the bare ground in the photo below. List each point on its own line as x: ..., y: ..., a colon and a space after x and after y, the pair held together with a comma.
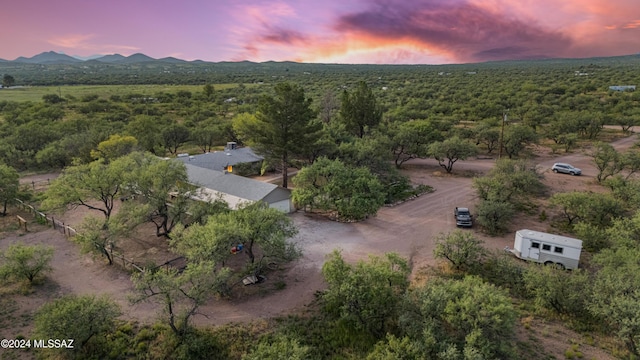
x: 408, y: 229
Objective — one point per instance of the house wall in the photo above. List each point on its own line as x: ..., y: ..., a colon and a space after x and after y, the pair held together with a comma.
x: 234, y: 202
x: 284, y: 206
x: 205, y: 194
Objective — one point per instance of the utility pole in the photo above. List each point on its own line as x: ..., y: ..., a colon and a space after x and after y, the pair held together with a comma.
x: 504, y: 120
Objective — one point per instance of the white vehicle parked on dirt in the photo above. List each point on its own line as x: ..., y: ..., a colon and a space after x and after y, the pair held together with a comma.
x: 565, y: 169
x: 547, y: 248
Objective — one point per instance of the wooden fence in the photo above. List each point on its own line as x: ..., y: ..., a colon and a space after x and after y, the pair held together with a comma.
x: 68, y: 231
x: 38, y: 185
x: 42, y: 218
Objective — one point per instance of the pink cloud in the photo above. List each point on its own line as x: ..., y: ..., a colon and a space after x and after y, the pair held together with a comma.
x: 632, y: 25
x: 71, y: 41
x: 79, y: 42
x: 378, y: 31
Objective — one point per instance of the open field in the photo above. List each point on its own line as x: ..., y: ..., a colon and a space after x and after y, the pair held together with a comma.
x: 35, y: 93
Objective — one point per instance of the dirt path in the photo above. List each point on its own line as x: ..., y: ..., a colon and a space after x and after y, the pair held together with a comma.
x: 408, y: 229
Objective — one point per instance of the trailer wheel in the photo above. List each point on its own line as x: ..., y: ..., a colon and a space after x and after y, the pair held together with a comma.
x: 547, y: 263
x: 560, y: 266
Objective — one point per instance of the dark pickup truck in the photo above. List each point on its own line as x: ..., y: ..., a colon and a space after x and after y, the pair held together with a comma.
x: 463, y: 217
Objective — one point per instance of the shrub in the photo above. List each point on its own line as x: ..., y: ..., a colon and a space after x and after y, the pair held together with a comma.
x: 28, y: 262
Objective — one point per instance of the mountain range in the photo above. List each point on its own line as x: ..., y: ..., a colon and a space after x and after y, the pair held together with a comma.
x: 52, y: 57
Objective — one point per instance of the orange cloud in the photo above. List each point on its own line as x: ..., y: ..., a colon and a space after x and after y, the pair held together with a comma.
x: 438, y: 31
x: 464, y: 31
x: 632, y: 25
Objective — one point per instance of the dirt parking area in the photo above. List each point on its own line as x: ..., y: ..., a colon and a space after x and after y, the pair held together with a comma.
x: 409, y: 229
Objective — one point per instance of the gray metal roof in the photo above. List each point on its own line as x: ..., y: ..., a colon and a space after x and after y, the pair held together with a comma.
x: 219, y: 160
x: 235, y: 185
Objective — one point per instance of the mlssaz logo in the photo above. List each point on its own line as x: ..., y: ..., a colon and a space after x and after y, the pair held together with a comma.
x: 53, y: 344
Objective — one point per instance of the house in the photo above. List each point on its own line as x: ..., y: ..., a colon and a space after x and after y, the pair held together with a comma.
x: 220, y: 160
x: 622, y: 88
x: 236, y: 190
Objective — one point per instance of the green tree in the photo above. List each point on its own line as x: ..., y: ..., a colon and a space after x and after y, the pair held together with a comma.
x: 85, y: 319
x: 627, y: 122
x: 174, y: 136
x: 8, y: 81
x: 329, y: 106
x: 568, y: 141
x: 607, y: 160
x: 566, y: 293
x: 359, y: 110
x: 25, y: 261
x: 162, y: 188
x: 512, y: 181
x: 516, y: 138
x: 462, y: 249
x: 285, y: 126
x: 494, y: 215
x: 34, y: 136
x: 393, y: 348
x: 79, y: 185
x: 280, y: 348
x: 206, y: 137
x: 412, y: 140
x: 371, y: 152
x: 102, y: 237
x: 244, y: 125
x: 593, y: 208
x: 180, y: 292
x: 368, y: 294
x: 328, y: 185
x: 72, y: 149
x: 616, y: 294
x: 468, y: 317
x: 624, y: 232
x: 594, y: 238
x: 148, y: 131
x: 209, y: 91
x: 625, y: 189
x: 52, y: 99
x: 263, y: 231
x: 449, y: 151
x: 631, y: 162
x: 9, y: 186
x: 114, y: 147
x: 489, y: 136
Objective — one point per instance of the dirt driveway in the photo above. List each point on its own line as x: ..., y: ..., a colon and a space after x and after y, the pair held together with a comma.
x: 408, y: 229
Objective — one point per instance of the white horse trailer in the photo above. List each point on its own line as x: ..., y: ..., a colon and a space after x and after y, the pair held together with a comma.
x: 547, y: 248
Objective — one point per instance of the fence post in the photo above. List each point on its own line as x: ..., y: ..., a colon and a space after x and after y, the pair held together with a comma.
x: 22, y: 221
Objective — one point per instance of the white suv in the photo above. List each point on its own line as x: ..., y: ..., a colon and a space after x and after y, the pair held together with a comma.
x: 565, y: 169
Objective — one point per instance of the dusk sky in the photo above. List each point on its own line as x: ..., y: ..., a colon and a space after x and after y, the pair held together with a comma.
x: 327, y: 31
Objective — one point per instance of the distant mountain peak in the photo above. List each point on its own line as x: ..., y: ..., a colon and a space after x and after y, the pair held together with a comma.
x: 113, y: 58
x: 52, y: 57
x: 49, y: 57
